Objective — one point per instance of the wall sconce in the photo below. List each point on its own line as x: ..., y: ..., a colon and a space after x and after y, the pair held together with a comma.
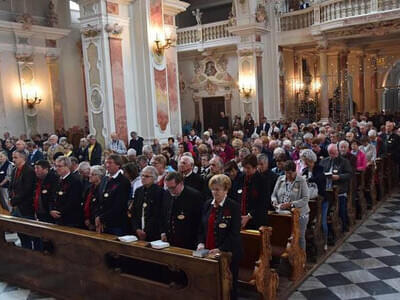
x: 246, y: 91
x: 316, y: 86
x: 31, y: 97
x: 160, y: 46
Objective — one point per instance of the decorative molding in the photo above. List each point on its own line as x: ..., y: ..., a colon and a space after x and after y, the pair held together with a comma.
x: 174, y: 7
x: 35, y: 31
x: 90, y: 31
x: 114, y: 30
x: 249, y: 29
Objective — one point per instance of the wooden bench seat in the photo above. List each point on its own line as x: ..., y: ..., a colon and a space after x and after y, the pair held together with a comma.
x: 255, y: 266
x: 86, y: 265
x: 360, y: 197
x: 285, y: 241
x: 334, y: 221
x: 314, y: 236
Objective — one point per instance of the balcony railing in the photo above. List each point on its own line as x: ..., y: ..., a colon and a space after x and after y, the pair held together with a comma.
x: 203, y: 33
x: 333, y: 10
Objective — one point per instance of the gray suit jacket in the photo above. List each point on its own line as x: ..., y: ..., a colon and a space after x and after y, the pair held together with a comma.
x: 299, y: 195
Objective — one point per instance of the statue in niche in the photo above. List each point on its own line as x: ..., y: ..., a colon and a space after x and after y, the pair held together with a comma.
x: 26, y: 20
x: 210, y: 69
x: 52, y: 17
x: 261, y: 14
x: 197, y: 14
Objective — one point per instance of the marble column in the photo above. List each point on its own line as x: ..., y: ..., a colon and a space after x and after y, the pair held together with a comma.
x: 54, y: 72
x: 361, y: 82
x: 374, y: 84
x: 323, y: 60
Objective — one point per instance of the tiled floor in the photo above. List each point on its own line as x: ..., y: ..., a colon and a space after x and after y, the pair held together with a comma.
x: 366, y: 266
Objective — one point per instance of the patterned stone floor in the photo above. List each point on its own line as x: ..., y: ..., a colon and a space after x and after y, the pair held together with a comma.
x: 366, y: 266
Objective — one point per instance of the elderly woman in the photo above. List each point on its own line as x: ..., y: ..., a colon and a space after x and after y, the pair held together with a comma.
x: 220, y: 227
x: 368, y: 149
x: 291, y: 191
x: 146, y: 210
x: 80, y: 152
x: 159, y: 162
x: 314, y: 173
x: 361, y: 163
x: 96, y: 179
x: 6, y: 168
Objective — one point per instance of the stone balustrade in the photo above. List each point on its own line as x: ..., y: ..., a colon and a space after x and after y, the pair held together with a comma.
x: 203, y: 33
x: 333, y: 10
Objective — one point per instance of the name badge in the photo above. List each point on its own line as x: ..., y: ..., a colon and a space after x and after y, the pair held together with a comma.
x: 335, y: 171
x: 106, y: 195
x: 44, y: 192
x: 1, y: 172
x: 94, y: 200
x: 222, y: 225
x: 181, y: 217
x: 239, y: 191
x: 60, y: 193
x: 144, y: 205
x: 389, y: 142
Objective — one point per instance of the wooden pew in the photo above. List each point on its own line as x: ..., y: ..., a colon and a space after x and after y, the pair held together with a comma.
x: 78, y: 264
x: 314, y: 236
x: 351, y: 201
x: 255, y: 265
x: 285, y: 241
x: 380, y: 187
x: 334, y: 221
x: 360, y: 198
x: 369, y: 186
x: 387, y: 174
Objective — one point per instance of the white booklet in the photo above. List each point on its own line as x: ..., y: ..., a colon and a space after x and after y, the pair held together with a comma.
x: 127, y: 238
x: 159, y: 244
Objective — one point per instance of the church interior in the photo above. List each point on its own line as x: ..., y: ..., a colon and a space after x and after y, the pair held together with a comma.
x: 155, y: 67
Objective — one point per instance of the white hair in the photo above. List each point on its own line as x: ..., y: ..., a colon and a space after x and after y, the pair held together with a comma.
x: 152, y: 170
x: 278, y: 151
x: 372, y: 132
x: 343, y: 142
x: 188, y: 158
x: 131, y: 151
x: 83, y: 166
x: 307, y: 136
x: 308, y: 154
x: 287, y: 143
x: 147, y: 149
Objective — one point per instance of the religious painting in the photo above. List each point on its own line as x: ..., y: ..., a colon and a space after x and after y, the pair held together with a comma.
x: 210, y: 69
x: 172, y: 77
x: 161, y: 98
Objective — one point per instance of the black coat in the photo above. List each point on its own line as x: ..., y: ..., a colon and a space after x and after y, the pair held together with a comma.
x: 341, y: 167
x: 270, y: 179
x: 95, y: 158
x: 182, y: 217
x: 256, y: 201
x: 137, y: 145
x: 21, y: 190
x: 264, y: 126
x: 94, y: 191
x: 227, y: 237
x: 194, y: 181
x: 32, y: 159
x: 80, y: 154
x: 235, y: 192
x: 68, y: 201
x: 48, y: 192
x: 113, y: 202
x: 150, y: 200
x: 317, y: 177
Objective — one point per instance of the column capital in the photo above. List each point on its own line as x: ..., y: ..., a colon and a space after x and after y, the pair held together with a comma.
x: 174, y: 7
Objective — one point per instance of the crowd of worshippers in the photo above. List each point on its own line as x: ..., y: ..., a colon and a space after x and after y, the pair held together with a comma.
x: 194, y: 192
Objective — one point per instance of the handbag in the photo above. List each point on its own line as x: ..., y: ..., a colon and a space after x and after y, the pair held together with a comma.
x: 312, y: 190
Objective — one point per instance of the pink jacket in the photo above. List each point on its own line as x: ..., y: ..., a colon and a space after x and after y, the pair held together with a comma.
x: 361, y: 161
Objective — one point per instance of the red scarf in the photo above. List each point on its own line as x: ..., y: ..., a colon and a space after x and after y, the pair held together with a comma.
x: 37, y: 195
x: 86, y: 208
x: 244, y: 194
x: 210, y: 242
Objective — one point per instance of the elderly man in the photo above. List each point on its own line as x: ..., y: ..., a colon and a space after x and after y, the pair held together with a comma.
x: 111, y: 216
x: 116, y: 145
x: 93, y: 151
x: 185, y: 167
x: 339, y: 172
x: 66, y: 208
x: 21, y: 192
x: 182, y: 213
x: 54, y: 148
x: 131, y: 155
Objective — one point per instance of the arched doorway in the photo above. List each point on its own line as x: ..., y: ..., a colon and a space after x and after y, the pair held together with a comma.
x: 391, y: 90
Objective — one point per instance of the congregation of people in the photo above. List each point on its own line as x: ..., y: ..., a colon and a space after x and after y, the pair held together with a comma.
x: 195, y: 191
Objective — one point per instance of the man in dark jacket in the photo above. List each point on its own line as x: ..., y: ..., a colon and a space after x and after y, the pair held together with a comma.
x: 136, y: 143
x: 269, y: 176
x: 34, y: 153
x: 45, y: 190
x: 231, y: 169
x: 93, y: 151
x: 67, y: 210
x: 254, y: 203
x: 185, y: 166
x: 339, y: 172
x: 182, y: 213
x: 21, y: 191
x: 111, y: 216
